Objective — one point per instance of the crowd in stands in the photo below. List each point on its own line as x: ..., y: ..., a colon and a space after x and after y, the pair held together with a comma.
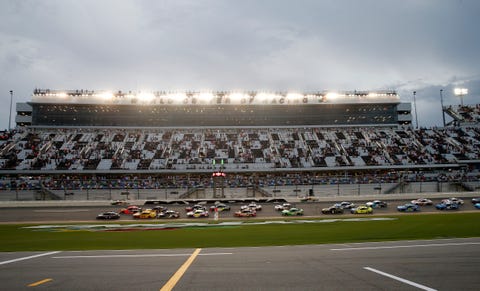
x: 244, y: 148
x: 234, y: 180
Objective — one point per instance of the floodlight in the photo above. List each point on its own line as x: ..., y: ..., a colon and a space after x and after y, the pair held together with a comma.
x: 294, y: 96
x: 460, y: 92
x: 106, y: 95
x: 331, y: 96
x: 205, y: 97
x: 145, y: 97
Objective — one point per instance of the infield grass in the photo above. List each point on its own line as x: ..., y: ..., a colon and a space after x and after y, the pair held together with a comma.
x: 402, y: 227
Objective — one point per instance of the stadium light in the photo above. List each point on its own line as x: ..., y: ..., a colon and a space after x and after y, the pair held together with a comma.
x: 460, y: 92
x: 205, y: 97
x: 146, y: 97
x: 294, y: 97
x: 331, y: 96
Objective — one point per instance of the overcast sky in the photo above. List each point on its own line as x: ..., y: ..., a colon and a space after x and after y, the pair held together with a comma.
x: 407, y: 45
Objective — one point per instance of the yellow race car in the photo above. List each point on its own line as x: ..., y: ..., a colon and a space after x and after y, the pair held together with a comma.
x: 145, y: 214
x: 362, y: 210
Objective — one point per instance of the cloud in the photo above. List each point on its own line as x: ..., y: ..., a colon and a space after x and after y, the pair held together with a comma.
x: 233, y: 45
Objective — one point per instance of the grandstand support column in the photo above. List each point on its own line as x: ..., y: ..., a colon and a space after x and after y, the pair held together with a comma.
x: 10, y: 114
x: 441, y: 103
x: 415, y: 107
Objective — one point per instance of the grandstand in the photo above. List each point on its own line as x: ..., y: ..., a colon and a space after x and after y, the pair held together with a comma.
x: 86, y: 139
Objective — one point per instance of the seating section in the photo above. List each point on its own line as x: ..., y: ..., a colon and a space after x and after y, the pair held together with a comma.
x: 234, y: 149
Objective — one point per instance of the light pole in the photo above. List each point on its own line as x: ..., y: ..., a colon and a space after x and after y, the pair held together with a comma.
x: 460, y: 92
x: 415, y: 107
x: 10, y: 115
x: 441, y: 103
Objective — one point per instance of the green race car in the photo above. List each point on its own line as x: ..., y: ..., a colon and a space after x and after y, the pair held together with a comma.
x: 292, y: 212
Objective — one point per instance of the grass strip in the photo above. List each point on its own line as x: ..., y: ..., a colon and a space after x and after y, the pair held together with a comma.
x: 407, y: 227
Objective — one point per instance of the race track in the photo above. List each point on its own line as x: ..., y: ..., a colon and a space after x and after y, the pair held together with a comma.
x: 73, y: 213
x: 447, y: 264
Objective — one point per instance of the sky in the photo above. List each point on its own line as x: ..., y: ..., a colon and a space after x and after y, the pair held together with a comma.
x: 263, y: 45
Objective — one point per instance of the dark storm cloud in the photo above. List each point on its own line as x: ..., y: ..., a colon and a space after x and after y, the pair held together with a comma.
x: 251, y: 45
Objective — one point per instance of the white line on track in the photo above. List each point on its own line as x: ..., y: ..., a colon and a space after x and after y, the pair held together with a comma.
x: 406, y: 246
x: 138, y: 256
x: 419, y: 286
x: 27, y: 258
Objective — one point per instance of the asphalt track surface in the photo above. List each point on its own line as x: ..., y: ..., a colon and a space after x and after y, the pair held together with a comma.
x: 88, y: 213
x: 447, y: 264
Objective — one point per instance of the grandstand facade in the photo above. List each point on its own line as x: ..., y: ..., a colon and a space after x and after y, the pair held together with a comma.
x: 193, y: 109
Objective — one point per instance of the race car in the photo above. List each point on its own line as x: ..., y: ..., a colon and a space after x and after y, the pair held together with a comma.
x: 252, y: 205
x: 197, y: 213
x: 246, y: 212
x: 195, y: 207
x: 453, y: 200
x: 308, y: 199
x: 409, y: 207
x: 334, y: 209
x: 119, y: 202
x: 363, y: 209
x: 108, y: 215
x: 166, y: 213
x: 422, y: 202
x: 292, y: 212
x: 130, y: 210
x: 346, y: 205
x: 477, y: 205
x: 280, y: 207
x: 220, y: 207
x: 145, y: 214
x: 447, y: 206
x: 376, y: 204
x: 476, y: 200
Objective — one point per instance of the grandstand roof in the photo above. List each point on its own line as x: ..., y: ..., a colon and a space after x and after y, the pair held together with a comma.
x: 206, y: 98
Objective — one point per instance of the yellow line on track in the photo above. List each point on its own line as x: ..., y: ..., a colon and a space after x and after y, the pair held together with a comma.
x: 176, y: 277
x: 40, y: 282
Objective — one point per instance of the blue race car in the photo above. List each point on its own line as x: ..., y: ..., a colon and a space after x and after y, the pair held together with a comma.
x: 447, y: 206
x: 477, y: 205
x: 409, y: 207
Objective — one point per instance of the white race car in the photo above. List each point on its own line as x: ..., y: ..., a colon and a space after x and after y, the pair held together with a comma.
x: 284, y: 206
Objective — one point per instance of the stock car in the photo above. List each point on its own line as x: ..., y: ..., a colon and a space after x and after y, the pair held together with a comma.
x: 422, y: 202
x: 245, y: 212
x: 280, y: 207
x: 197, y: 213
x: 292, y: 212
x: 130, y: 210
x: 253, y: 205
x: 376, y: 204
x: 334, y: 209
x: 108, y: 215
x: 447, y: 206
x: 166, y: 213
x: 453, y: 200
x: 119, y: 202
x: 308, y: 199
x: 476, y: 200
x: 409, y: 207
x: 220, y: 207
x: 346, y: 205
x: 477, y: 205
x: 362, y: 209
x: 145, y: 214
x: 195, y: 207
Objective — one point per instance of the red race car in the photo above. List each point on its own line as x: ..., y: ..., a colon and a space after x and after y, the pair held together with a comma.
x: 130, y: 210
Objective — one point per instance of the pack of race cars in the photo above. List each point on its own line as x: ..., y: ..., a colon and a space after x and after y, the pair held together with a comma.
x: 285, y: 209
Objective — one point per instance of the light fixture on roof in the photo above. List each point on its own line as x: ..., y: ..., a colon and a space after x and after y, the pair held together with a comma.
x: 460, y: 92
